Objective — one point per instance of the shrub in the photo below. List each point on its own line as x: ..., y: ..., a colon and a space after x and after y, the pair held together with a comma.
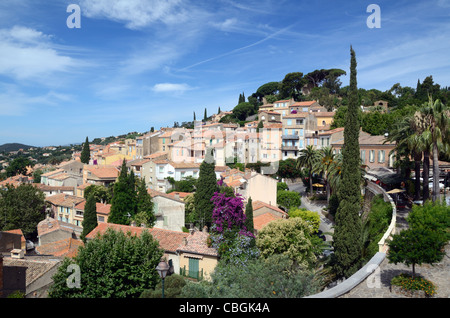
x: 407, y: 282
x: 173, y: 285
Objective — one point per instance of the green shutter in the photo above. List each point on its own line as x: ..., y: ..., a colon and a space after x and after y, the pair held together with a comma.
x: 193, y: 268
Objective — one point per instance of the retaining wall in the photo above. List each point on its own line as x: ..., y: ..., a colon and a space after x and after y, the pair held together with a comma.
x: 374, y: 262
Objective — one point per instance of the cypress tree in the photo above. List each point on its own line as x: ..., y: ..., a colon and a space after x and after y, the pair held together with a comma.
x: 205, y: 117
x: 86, y: 152
x: 194, y: 117
x: 249, y: 216
x: 347, y: 233
x: 122, y: 202
x: 206, y: 187
x: 89, y: 217
x: 145, y: 204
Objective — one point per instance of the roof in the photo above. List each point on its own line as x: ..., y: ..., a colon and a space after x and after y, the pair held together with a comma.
x: 181, y: 195
x: 304, y: 103
x: 197, y: 243
x: 49, y: 225
x: 62, y: 199
x: 154, y: 193
x: 168, y: 240
x: 259, y: 204
x: 332, y: 131
x: 297, y: 115
x: 63, y: 248
x: 100, y: 207
x: 262, y: 220
x: 105, y: 172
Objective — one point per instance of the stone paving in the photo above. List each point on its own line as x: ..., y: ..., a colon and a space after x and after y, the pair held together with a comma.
x: 379, y: 286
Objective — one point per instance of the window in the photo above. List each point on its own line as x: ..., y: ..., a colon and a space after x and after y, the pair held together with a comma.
x: 301, y: 132
x: 363, y: 156
x: 371, y: 155
x: 289, y: 122
x: 161, y: 169
x: 381, y: 154
x: 299, y: 122
x: 305, y: 109
x: 286, y: 131
x: 194, y: 268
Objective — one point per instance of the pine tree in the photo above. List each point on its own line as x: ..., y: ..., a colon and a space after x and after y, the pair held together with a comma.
x: 249, y: 216
x: 89, y: 217
x: 86, y: 152
x: 206, y: 187
x: 122, y: 202
x: 347, y: 233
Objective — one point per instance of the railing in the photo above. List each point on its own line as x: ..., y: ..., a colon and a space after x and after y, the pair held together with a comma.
x: 376, y: 189
x: 198, y: 275
x: 374, y: 262
x: 290, y: 136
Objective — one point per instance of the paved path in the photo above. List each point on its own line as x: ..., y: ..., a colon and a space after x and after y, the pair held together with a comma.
x: 378, y: 284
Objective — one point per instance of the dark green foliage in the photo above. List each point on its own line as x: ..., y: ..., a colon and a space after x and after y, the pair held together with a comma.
x: 272, y: 277
x: 416, y: 246
x: 291, y: 85
x: 333, y: 204
x: 347, y: 233
x: 86, y: 152
x: 21, y: 207
x: 287, y: 169
x: 206, y: 186
x: 113, y: 265
x: 433, y: 216
x: 243, y: 110
x: 375, y: 225
x: 123, y: 202
x: 173, y: 285
x: 144, y: 205
x: 288, y: 199
x: 89, y: 217
x: 100, y: 193
x: 18, y: 166
x: 249, y: 216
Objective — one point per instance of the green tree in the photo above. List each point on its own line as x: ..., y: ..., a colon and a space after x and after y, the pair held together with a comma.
x: 37, y: 176
x: 249, y: 216
x: 415, y: 247
x: 173, y: 285
x: 86, y: 152
x: 21, y: 207
x: 243, y: 110
x: 288, y: 199
x: 89, y: 217
x: 206, y: 187
x: 307, y: 159
x: 272, y: 277
x: 112, y: 265
x: 434, y: 128
x: 205, y: 116
x: 324, y: 166
x: 18, y: 166
x: 347, y: 232
x: 101, y: 193
x: 123, y: 199
x: 291, y: 237
x: 144, y: 206
x: 292, y: 84
x: 311, y: 217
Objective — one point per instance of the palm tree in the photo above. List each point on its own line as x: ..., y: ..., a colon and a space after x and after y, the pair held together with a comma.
x: 407, y: 143
x: 307, y: 159
x: 323, y: 166
x: 335, y: 172
x: 432, y: 123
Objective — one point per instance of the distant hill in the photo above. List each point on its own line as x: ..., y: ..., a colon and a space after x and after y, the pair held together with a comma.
x: 14, y: 147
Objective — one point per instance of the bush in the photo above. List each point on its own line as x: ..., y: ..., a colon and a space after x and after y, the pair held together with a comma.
x: 173, y: 285
x: 274, y: 277
x: 407, y: 282
x: 311, y: 217
x: 288, y: 199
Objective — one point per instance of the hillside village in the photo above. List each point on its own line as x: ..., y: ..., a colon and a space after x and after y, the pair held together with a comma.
x: 278, y: 132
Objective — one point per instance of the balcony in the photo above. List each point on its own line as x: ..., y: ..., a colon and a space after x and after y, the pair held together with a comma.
x: 289, y: 148
x: 295, y: 137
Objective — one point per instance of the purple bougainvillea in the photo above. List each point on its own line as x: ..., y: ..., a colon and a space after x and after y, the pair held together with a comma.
x: 228, y: 213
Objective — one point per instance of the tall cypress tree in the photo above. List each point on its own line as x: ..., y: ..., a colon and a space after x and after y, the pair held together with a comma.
x: 123, y: 199
x: 206, y: 187
x: 145, y: 204
x: 86, y: 152
x: 205, y: 116
x: 249, y: 216
x: 89, y: 216
x: 347, y: 232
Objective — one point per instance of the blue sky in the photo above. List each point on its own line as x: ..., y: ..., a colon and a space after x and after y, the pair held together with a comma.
x: 135, y: 64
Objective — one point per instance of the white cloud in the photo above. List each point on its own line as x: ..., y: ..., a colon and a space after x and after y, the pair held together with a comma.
x: 26, y: 53
x: 170, y: 87
x: 136, y: 14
